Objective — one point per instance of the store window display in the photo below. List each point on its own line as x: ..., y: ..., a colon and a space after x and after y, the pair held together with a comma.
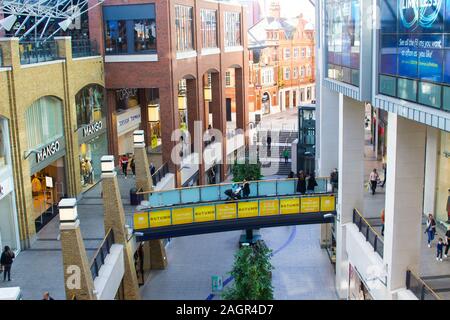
x: 442, y: 204
x: 90, y: 105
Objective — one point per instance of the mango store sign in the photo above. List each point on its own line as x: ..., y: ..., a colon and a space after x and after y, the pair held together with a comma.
x: 92, y: 128
x: 48, y: 151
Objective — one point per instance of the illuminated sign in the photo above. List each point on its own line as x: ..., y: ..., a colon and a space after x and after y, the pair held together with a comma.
x: 423, y: 13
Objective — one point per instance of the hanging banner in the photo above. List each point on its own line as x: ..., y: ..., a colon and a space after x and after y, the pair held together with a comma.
x: 248, y: 209
x: 310, y: 205
x: 226, y: 211
x: 204, y: 213
x: 290, y: 206
x: 182, y: 216
x: 327, y: 204
x: 140, y: 220
x: 269, y: 207
x: 159, y: 218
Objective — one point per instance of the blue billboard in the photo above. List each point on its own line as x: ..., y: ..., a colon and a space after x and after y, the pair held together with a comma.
x: 414, y: 39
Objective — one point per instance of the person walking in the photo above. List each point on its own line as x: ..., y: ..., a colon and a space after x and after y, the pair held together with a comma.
x: 447, y: 241
x: 373, y: 180
x: 439, y: 247
x: 385, y: 174
x: 430, y: 229
x: 269, y: 142
x: 6, y: 261
x: 312, y: 183
x: 301, y: 183
x: 382, y: 222
x: 124, y: 164
x: 334, y: 179
x: 133, y: 166
x: 286, y: 155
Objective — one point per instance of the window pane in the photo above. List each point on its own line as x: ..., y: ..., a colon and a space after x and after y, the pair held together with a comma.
x: 208, y: 28
x: 115, y: 36
x: 144, y: 35
x: 407, y: 89
x: 184, y: 28
x: 446, y: 104
x: 387, y: 85
x: 232, y: 29
x: 430, y: 94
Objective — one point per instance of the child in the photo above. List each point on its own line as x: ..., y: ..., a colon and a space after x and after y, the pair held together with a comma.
x: 440, y: 247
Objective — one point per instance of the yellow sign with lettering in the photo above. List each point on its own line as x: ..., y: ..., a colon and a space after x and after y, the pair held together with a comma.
x: 248, y: 209
x: 159, y: 218
x: 310, y: 204
x: 182, y: 216
x: 327, y: 204
x: 226, y: 211
x: 269, y: 207
x: 204, y: 213
x: 290, y: 206
x: 140, y: 220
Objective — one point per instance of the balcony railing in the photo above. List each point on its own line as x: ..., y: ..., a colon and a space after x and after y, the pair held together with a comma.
x: 160, y: 173
x: 420, y: 289
x: 102, y: 252
x: 369, y: 233
x: 84, y: 48
x: 38, y: 51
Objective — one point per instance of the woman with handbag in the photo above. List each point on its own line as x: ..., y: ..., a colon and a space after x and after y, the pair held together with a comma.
x: 6, y: 261
x: 431, y: 229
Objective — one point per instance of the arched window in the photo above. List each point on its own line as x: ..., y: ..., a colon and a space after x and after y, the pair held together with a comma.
x: 44, y: 121
x: 90, y: 104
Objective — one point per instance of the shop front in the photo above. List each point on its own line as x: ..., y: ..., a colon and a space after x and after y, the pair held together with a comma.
x: 127, y: 122
x: 9, y: 231
x: 46, y: 155
x: 92, y: 136
x: 357, y: 289
x: 442, y: 205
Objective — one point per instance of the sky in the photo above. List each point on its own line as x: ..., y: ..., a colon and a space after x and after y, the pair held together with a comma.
x: 292, y: 8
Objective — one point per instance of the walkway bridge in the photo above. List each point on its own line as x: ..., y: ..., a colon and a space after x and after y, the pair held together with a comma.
x: 206, y: 209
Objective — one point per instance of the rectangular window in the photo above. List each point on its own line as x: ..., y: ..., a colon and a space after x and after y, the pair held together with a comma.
x: 116, y: 37
x: 208, y: 28
x: 303, y: 52
x: 308, y: 52
x: 446, y: 95
x: 228, y: 79
x: 430, y: 94
x: 308, y: 93
x: 407, y: 89
x: 130, y: 29
x: 388, y: 86
x: 144, y: 35
x: 287, y: 53
x: 184, y: 28
x: 295, y: 52
x: 295, y: 73
x: 287, y: 73
x: 232, y: 29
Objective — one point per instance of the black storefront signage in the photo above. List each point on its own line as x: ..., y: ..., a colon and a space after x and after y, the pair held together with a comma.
x: 48, y: 151
x: 92, y: 128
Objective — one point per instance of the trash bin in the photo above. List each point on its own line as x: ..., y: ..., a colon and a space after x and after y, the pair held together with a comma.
x: 135, y: 199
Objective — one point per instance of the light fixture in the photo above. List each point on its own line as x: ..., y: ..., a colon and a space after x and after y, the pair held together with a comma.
x: 138, y: 137
x: 153, y: 113
x: 182, y: 105
x: 8, y: 22
x: 207, y: 94
x: 68, y: 210
x: 107, y: 164
x: 65, y: 23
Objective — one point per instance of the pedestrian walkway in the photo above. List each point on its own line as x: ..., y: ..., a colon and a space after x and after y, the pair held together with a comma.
x: 39, y: 268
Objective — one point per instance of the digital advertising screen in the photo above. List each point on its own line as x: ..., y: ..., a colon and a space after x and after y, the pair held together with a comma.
x: 415, y: 38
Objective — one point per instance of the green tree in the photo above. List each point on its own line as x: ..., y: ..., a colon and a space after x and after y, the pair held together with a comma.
x: 252, y: 272
x: 247, y: 171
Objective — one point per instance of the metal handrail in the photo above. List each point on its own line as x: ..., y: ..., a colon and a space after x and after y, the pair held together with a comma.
x: 84, y: 48
x: 424, y: 285
x: 225, y: 183
x: 376, y: 236
x: 158, y: 175
x: 38, y: 51
x: 106, y: 243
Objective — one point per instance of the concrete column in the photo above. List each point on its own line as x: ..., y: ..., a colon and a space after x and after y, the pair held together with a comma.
x: 404, y: 198
x: 78, y: 280
x: 158, y: 255
x: 351, y: 180
x: 114, y: 218
x: 431, y: 162
x: 219, y: 115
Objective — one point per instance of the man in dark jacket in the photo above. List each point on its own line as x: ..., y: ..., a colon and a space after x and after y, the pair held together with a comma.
x: 6, y: 260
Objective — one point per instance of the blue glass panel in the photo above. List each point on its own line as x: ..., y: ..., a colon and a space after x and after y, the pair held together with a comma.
x: 190, y: 195
x: 286, y: 187
x: 267, y: 188
x: 210, y: 193
x: 170, y: 197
